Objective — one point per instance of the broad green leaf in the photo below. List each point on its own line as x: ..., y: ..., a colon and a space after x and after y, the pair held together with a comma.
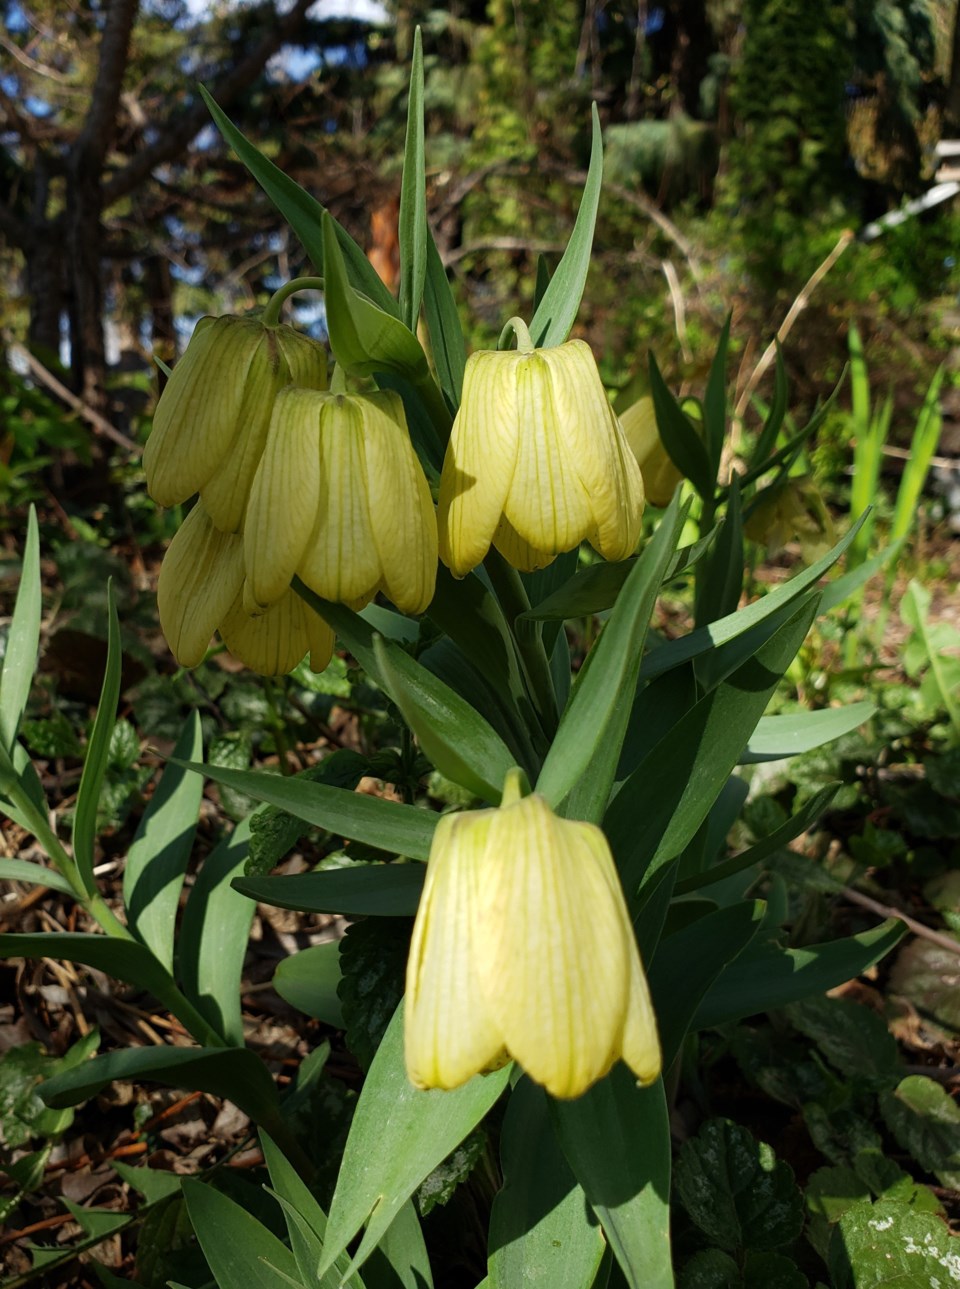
x: 214, y: 935
x: 890, y: 1245
x: 779, y: 736
x: 373, y: 962
x: 854, y: 1039
x: 761, y: 850
x: 560, y: 303
x: 125, y: 959
x: 413, y: 198
x: 628, y: 1188
x: 661, y: 805
x: 736, y: 1190
x: 583, y: 758
x: 302, y: 213
x: 388, y: 1156
x: 235, y: 1073
x: 369, y: 890
x: 241, y: 1252
x: 24, y: 870
x: 152, y: 1183
x: 715, y: 402
x: 540, y: 1232
x: 444, y: 326
x: 828, y: 1194
x: 98, y: 750
x: 402, y: 830
x: 453, y: 735
x: 687, y: 962
x: 364, y: 337
x: 99, y: 1222
x: 158, y: 857
x: 718, y: 591
x: 714, y: 1269
x: 926, y: 974
x: 724, y: 629
x: 925, y: 1120
x: 308, y: 980
x: 23, y: 1114
x: 679, y: 436
x: 23, y: 640
x: 768, y: 976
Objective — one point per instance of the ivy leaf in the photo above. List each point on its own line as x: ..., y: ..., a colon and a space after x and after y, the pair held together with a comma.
x: 456, y: 1168
x: 890, y: 1245
x: 852, y: 1038
x: 925, y: 1120
x: 736, y: 1190
x: 373, y: 957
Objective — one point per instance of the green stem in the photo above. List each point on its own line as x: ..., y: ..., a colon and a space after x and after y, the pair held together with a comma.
x: 436, y: 407
x: 271, y: 314
x: 521, y: 331
x: 708, y: 515
x: 511, y: 593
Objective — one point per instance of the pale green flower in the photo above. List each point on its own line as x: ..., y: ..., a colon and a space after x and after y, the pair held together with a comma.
x: 523, y: 948
x: 212, y: 418
x: 340, y: 500
x: 537, y: 462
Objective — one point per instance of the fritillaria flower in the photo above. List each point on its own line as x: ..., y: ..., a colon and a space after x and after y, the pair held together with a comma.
x: 660, y: 475
x: 523, y: 948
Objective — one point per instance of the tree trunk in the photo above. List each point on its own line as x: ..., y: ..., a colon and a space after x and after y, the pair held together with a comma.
x: 951, y: 112
x: 88, y: 361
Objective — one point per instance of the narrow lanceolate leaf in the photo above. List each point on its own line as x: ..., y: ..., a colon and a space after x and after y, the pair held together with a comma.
x: 413, y: 198
x: 398, y: 829
x: 715, y: 400
x: 586, y: 750
x: 241, y: 1252
x: 540, y: 1230
x: 558, y: 308
x: 735, y: 624
x: 158, y: 858
x: 388, y: 1156
x: 23, y: 639
x: 365, y: 338
x: 214, y: 935
x: 627, y: 1188
x: 23, y: 870
x: 371, y: 890
x: 446, y: 330
x: 98, y: 748
x: 719, y: 591
x: 923, y: 444
x: 778, y: 736
x: 684, y: 445
x: 302, y: 213
x: 767, y: 976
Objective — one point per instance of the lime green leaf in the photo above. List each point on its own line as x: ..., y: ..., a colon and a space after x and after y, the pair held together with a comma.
x: 413, y: 198
x: 779, y: 736
x: 368, y: 890
x: 540, y: 1232
x: 560, y: 303
x: 23, y: 640
x: 767, y: 976
x: 158, y: 857
x: 387, y: 1157
x: 98, y: 750
x: 402, y: 830
x: 925, y: 1120
x: 214, y: 935
x: 24, y: 870
x: 628, y: 1189
x: 401, y: 1260
x: 302, y: 213
x: 241, y: 1252
x: 585, y: 752
x: 152, y: 1183
x: 736, y: 1190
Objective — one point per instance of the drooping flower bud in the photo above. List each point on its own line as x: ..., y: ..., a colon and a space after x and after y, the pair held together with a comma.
x: 660, y: 475
x: 340, y: 500
x: 212, y: 418
x: 792, y: 511
x: 201, y: 591
x: 503, y: 963
x: 537, y: 462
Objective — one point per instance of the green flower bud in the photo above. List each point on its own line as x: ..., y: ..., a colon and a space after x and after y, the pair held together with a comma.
x: 793, y: 511
x: 212, y: 418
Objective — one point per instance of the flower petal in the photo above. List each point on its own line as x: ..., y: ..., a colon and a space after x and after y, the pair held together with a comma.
x: 200, y: 577
x: 284, y: 499
x: 551, y: 951
x: 448, y: 1032
x: 401, y: 511
x: 272, y: 643
x: 340, y: 561
x: 479, y: 462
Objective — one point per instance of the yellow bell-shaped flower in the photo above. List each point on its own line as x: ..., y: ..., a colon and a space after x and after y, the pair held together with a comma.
x: 201, y: 591
x: 523, y: 948
x: 660, y: 475
x: 537, y: 462
x: 341, y: 500
x: 211, y: 421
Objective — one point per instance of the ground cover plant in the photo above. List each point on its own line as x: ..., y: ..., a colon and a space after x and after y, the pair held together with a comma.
x: 546, y: 885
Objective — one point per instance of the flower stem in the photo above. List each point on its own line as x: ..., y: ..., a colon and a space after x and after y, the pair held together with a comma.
x: 519, y: 328
x: 271, y: 314
x: 512, y: 595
